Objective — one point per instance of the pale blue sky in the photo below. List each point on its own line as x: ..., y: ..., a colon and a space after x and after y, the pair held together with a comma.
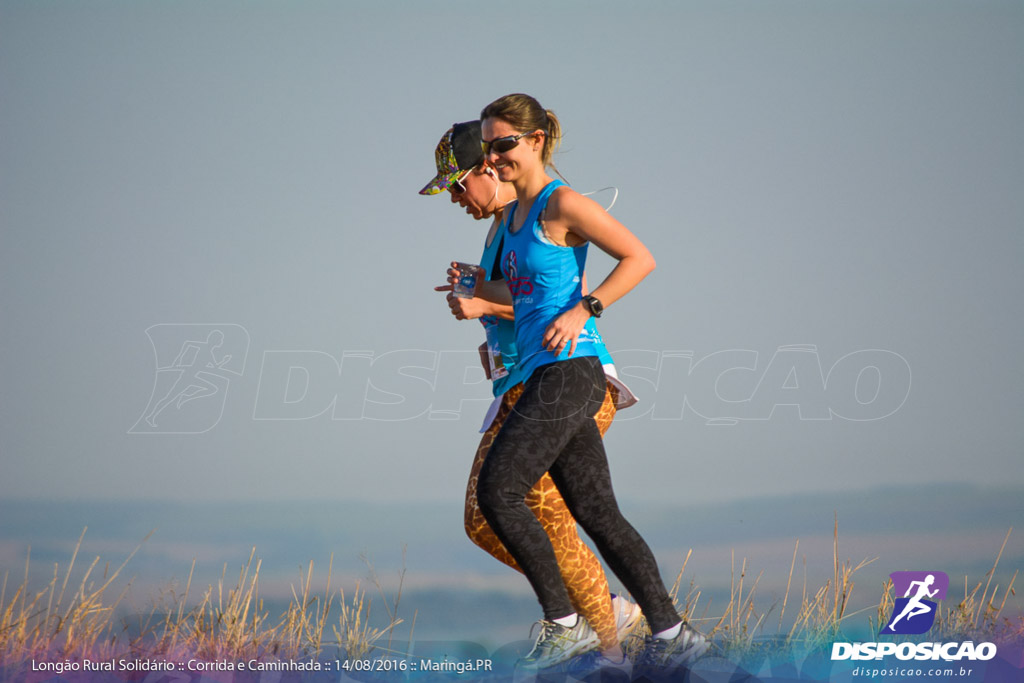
x: 840, y: 177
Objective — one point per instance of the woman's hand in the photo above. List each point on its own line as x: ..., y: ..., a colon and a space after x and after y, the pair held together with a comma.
x: 566, y: 329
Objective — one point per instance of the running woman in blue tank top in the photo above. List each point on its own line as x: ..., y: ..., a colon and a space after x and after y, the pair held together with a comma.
x: 477, y: 189
x: 551, y: 429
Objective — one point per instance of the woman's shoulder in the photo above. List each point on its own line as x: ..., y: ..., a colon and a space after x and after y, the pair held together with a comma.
x: 563, y: 191
x: 565, y: 202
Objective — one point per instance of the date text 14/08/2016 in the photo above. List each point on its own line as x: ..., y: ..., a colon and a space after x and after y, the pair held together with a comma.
x: 458, y: 667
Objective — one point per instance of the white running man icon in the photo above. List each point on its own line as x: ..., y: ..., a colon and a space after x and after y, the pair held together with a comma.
x: 914, y: 606
x: 196, y: 359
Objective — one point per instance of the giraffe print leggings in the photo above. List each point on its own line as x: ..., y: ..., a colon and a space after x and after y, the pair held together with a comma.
x: 581, y: 571
x: 551, y: 429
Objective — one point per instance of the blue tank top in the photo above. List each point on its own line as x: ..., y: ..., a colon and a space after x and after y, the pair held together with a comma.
x: 501, y: 333
x: 545, y: 281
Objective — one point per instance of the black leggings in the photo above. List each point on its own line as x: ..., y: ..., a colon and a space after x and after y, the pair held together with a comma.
x: 551, y: 429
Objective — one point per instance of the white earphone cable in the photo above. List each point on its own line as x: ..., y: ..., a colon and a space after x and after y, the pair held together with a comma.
x: 614, y: 196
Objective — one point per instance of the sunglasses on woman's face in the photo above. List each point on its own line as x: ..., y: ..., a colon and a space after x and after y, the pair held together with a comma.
x: 502, y: 145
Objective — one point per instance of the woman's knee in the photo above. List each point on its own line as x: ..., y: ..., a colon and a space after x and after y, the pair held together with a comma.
x: 605, y: 525
x: 490, y: 496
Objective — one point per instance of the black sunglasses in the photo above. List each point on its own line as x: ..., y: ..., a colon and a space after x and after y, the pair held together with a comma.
x: 502, y: 145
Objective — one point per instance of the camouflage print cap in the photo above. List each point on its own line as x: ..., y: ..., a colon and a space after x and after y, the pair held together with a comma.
x: 458, y: 151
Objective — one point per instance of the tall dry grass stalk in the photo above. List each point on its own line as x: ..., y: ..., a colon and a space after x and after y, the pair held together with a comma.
x: 974, y: 616
x: 820, y: 617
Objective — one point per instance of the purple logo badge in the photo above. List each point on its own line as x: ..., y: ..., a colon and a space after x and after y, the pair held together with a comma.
x: 914, y: 613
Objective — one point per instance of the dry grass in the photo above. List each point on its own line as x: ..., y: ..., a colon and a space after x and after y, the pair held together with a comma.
x: 34, y: 624
x: 227, y: 622
x: 822, y: 613
x: 230, y: 621
x: 741, y: 627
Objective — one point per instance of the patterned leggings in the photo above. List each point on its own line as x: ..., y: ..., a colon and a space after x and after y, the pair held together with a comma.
x: 581, y: 571
x: 551, y: 429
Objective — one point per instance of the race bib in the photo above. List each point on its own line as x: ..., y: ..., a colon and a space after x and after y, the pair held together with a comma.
x: 495, y: 360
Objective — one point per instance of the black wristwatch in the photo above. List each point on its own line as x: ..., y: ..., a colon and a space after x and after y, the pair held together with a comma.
x: 594, y: 305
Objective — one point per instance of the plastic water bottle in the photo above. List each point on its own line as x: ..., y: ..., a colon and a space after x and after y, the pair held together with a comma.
x: 465, y: 287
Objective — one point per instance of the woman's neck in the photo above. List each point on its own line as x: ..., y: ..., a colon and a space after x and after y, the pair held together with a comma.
x: 529, y: 186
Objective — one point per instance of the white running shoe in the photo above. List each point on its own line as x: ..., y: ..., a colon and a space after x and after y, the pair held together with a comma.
x: 556, y: 644
x: 627, y: 616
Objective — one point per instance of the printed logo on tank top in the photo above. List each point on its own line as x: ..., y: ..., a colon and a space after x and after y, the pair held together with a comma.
x: 521, y: 287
